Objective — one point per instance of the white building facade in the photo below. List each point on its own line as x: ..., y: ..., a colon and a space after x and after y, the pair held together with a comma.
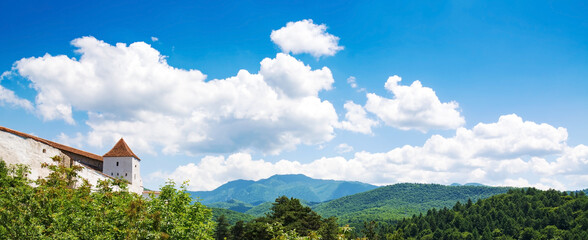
x: 120, y: 162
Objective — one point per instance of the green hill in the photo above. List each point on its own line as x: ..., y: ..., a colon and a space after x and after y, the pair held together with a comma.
x: 394, y: 202
x: 518, y: 214
x: 234, y: 205
x: 260, y: 210
x: 267, y: 190
x: 231, y: 216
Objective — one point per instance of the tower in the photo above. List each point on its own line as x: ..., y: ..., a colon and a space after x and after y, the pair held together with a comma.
x: 121, y: 162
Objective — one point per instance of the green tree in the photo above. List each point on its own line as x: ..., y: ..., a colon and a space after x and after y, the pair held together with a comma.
x: 237, y: 231
x: 62, y: 206
x: 222, y: 228
x: 369, y: 230
x: 289, y: 219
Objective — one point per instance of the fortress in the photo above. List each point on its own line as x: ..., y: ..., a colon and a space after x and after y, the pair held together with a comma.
x: 120, y: 162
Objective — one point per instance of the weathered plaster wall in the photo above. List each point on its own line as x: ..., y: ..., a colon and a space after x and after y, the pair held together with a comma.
x: 18, y: 150
x: 96, y: 165
x: 15, y: 149
x: 127, y: 168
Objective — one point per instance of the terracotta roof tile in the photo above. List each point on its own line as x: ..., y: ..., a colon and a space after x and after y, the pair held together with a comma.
x: 121, y: 149
x: 54, y: 144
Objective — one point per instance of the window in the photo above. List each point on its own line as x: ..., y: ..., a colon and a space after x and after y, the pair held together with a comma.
x: 44, y: 150
x: 117, y: 164
x: 116, y: 174
x: 135, y: 176
x: 111, y: 174
x: 125, y: 174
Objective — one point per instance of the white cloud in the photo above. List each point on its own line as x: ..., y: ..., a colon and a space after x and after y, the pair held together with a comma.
x: 76, y: 141
x: 154, y: 39
x: 344, y: 148
x: 414, y: 107
x: 351, y: 81
x: 356, y: 119
x: 131, y: 91
x: 294, y: 79
x: 462, y: 158
x: 306, y: 37
x: 8, y: 97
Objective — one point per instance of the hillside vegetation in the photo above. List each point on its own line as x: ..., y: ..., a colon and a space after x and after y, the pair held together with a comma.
x: 399, y: 201
x: 231, y: 216
x: 519, y: 214
x: 288, y: 219
x: 267, y: 190
x: 59, y: 207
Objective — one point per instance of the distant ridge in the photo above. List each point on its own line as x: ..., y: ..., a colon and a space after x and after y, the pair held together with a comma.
x: 243, y: 192
x: 394, y: 202
x: 468, y: 184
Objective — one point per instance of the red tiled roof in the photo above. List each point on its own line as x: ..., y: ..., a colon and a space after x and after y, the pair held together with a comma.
x: 121, y: 149
x: 53, y: 144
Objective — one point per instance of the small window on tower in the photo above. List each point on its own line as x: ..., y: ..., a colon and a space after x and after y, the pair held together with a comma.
x: 116, y: 174
x: 117, y: 164
x: 111, y: 174
x: 44, y: 150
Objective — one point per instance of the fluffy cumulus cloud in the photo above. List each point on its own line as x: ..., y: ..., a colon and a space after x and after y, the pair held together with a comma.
x: 414, y: 107
x: 509, y: 152
x: 306, y: 37
x: 356, y: 119
x: 294, y: 79
x: 131, y: 91
x: 9, y: 97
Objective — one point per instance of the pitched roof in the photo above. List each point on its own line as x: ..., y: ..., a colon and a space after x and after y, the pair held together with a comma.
x: 121, y: 149
x: 53, y: 144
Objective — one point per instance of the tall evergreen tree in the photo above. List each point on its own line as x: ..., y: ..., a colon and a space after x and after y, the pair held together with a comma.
x: 222, y: 228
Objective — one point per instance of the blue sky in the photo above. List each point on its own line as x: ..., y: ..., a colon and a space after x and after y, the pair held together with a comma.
x: 206, y: 92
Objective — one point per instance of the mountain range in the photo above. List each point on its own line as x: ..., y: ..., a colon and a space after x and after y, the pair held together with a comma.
x: 394, y: 202
x: 245, y: 194
x: 351, y: 202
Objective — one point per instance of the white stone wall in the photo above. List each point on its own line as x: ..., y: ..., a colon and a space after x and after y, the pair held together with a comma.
x: 136, y: 176
x: 18, y: 150
x: 118, y: 167
x: 127, y: 168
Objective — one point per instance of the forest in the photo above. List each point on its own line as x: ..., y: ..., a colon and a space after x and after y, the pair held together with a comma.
x: 518, y: 214
x: 61, y: 206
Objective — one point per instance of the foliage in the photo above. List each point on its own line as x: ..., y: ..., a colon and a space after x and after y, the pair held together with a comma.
x: 260, y: 210
x: 288, y: 219
x: 232, y: 217
x: 61, y: 206
x: 392, y: 203
x: 233, y: 204
x: 519, y: 214
x: 222, y: 228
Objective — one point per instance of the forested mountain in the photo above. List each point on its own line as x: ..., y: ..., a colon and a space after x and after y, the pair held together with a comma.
x: 231, y: 216
x: 398, y: 201
x: 467, y: 184
x: 267, y: 190
x: 519, y: 214
x: 234, y: 205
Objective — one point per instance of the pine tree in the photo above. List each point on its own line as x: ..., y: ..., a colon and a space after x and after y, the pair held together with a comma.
x: 222, y: 228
